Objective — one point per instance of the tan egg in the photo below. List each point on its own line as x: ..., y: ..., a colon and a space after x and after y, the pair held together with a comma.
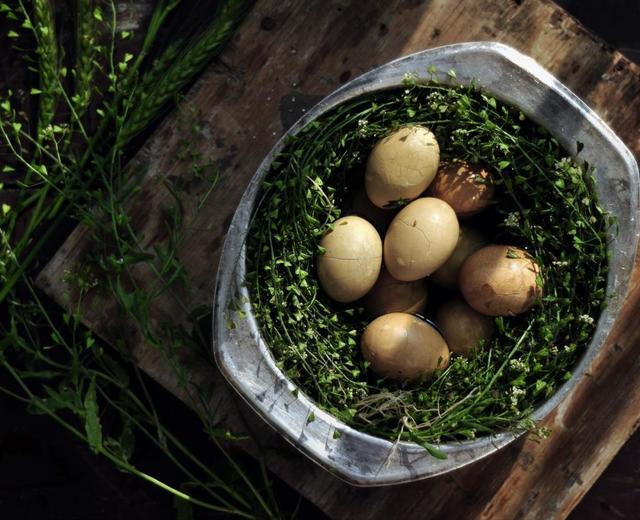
x: 391, y: 295
x: 500, y: 280
x: 352, y: 259
x: 403, y: 347
x: 380, y: 218
x: 462, y: 327
x: 469, y: 241
x: 420, y: 239
x: 467, y: 188
x: 401, y: 165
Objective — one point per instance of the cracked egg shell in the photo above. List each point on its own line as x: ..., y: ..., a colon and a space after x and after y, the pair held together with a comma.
x: 391, y: 295
x: 351, y: 262
x: 403, y: 347
x: 420, y: 239
x: 500, y: 280
x: 467, y: 188
x: 469, y: 241
x: 463, y: 327
x: 401, y: 165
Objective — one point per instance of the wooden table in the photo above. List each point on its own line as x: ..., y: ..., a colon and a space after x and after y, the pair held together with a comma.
x: 285, y: 57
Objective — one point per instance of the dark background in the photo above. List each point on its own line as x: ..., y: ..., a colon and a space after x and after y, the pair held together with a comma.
x: 47, y: 474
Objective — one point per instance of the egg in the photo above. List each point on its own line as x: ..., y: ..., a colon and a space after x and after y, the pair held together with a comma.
x: 463, y: 327
x: 469, y: 241
x: 350, y: 264
x: 500, y: 280
x: 467, y: 188
x: 363, y: 207
x: 420, y: 239
x: 403, y: 347
x: 401, y: 165
x: 391, y: 295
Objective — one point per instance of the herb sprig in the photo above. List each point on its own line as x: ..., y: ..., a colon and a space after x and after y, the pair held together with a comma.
x: 70, y: 165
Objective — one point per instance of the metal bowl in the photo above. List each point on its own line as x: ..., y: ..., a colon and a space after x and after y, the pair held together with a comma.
x: 245, y: 359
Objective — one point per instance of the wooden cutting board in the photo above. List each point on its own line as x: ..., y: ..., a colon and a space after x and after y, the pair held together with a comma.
x: 286, y: 56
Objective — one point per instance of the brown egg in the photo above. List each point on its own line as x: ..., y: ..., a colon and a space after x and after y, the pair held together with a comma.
x: 462, y: 327
x: 500, y: 280
x: 391, y: 295
x: 467, y: 188
x: 403, y: 347
x: 380, y: 218
x: 469, y: 241
x: 420, y: 239
x: 401, y: 165
x: 352, y: 259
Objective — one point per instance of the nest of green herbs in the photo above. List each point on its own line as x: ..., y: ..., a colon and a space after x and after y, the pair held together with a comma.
x: 546, y: 204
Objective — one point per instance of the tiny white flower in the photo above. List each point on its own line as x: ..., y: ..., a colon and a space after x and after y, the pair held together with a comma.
x: 586, y: 319
x: 520, y: 366
x: 512, y: 220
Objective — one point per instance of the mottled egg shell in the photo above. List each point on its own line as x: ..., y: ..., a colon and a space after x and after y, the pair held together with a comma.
x: 391, y: 295
x: 403, y: 347
x: 467, y: 188
x: 500, y: 280
x: 362, y: 206
x: 469, y: 241
x: 351, y: 262
x: 463, y: 327
x: 401, y: 165
x: 420, y: 239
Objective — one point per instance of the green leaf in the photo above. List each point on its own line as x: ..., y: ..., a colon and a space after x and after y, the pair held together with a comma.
x: 39, y: 374
x: 127, y: 440
x: 434, y: 452
x: 12, y: 34
x: 35, y: 91
x: 66, y: 398
x: 97, y: 14
x: 5, y: 208
x: 91, y: 418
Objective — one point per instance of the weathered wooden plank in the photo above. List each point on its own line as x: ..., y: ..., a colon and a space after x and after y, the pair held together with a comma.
x: 286, y: 56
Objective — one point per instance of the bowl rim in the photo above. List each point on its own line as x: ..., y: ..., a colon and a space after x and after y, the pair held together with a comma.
x: 405, y: 461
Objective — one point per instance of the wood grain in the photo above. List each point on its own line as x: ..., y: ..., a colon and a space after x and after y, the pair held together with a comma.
x: 285, y: 57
